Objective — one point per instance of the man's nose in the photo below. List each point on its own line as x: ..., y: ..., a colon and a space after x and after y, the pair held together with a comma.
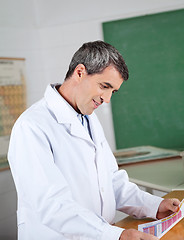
x: 106, y: 96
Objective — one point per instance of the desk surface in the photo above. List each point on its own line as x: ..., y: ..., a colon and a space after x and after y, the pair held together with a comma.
x: 176, y: 233
x: 164, y: 175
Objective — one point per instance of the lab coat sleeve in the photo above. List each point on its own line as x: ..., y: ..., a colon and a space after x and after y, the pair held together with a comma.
x: 133, y: 201
x: 45, y: 190
x: 129, y: 198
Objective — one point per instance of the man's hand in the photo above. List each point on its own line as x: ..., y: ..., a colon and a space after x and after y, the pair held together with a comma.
x: 167, y: 207
x: 132, y: 234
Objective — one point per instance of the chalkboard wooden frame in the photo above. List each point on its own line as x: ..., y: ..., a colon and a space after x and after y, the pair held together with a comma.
x: 149, y: 107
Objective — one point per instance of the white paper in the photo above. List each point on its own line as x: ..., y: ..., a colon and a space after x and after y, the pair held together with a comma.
x: 162, y: 226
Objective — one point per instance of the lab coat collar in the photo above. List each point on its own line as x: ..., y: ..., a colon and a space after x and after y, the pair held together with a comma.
x: 62, y: 110
x: 66, y: 115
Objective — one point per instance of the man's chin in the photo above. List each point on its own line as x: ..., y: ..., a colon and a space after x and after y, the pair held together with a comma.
x: 88, y: 112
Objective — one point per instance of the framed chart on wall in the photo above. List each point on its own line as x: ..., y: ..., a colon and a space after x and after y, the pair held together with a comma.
x: 12, y: 100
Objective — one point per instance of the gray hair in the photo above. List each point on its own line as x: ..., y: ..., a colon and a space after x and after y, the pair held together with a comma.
x: 96, y: 56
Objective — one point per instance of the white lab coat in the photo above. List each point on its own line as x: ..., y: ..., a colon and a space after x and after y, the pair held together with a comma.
x: 68, y: 186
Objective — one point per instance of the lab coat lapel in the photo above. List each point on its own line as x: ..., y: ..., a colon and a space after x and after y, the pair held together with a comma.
x: 65, y: 114
x: 96, y: 130
x: 79, y: 131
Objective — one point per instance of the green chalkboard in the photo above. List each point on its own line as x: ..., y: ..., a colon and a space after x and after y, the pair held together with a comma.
x: 149, y: 107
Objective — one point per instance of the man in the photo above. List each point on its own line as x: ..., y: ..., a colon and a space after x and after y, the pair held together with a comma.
x: 66, y: 176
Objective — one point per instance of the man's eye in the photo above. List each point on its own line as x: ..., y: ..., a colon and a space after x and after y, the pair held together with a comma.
x: 103, y: 86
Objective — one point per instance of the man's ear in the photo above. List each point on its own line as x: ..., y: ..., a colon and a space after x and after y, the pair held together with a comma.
x: 79, y: 71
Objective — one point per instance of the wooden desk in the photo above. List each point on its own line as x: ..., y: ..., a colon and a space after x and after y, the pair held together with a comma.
x: 163, y: 175
x: 176, y: 233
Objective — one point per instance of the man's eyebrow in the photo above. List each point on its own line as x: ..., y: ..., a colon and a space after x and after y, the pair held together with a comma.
x: 108, y: 84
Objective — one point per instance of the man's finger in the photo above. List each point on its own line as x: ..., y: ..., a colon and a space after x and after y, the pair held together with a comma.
x: 145, y: 236
x: 174, y: 204
x: 176, y: 201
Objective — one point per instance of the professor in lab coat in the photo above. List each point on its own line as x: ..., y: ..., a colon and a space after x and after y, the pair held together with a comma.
x: 67, y: 179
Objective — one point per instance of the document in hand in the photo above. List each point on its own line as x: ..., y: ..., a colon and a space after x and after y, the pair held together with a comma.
x: 162, y: 226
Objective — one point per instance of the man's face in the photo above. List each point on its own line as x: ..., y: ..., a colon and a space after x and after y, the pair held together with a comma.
x: 95, y: 89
